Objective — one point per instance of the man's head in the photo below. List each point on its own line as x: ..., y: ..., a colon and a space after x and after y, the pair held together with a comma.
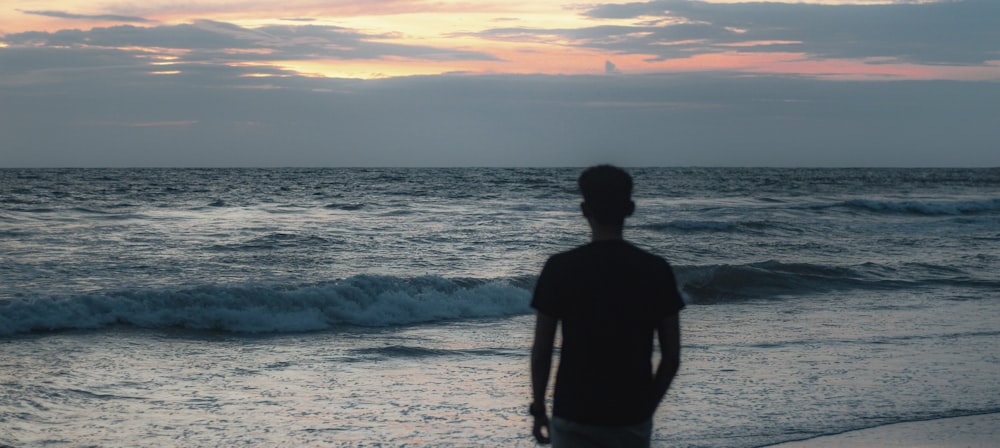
x: 607, y: 194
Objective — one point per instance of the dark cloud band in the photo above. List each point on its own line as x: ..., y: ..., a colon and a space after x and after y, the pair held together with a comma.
x: 103, y: 17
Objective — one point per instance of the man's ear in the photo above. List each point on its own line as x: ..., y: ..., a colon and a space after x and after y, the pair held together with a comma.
x: 631, y: 208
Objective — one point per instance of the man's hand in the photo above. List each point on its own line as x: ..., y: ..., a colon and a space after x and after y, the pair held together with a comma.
x: 542, y: 437
x: 537, y: 410
x: 541, y: 363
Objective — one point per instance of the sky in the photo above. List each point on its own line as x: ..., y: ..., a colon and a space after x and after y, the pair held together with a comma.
x: 309, y: 83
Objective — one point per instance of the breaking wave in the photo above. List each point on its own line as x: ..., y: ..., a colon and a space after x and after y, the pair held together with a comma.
x: 381, y: 301
x: 360, y: 301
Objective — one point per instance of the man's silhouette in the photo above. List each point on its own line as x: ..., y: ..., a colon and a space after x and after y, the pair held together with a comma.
x: 610, y: 298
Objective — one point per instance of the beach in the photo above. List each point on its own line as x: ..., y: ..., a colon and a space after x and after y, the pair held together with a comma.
x: 974, y: 431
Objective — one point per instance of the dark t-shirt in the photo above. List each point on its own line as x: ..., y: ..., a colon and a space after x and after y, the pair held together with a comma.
x: 609, y: 297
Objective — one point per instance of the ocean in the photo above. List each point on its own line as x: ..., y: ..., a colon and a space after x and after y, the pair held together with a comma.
x: 390, y: 307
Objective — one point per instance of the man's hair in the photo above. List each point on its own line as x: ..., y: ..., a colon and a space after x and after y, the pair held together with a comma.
x: 607, y: 192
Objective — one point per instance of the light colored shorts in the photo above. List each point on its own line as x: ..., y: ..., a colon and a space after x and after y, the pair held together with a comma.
x: 570, y: 434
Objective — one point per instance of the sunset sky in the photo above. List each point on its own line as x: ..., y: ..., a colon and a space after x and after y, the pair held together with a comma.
x: 512, y: 83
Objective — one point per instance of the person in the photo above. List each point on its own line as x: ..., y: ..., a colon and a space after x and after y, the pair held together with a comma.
x: 609, y: 297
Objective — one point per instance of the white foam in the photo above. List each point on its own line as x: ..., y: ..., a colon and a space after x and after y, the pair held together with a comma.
x: 361, y: 300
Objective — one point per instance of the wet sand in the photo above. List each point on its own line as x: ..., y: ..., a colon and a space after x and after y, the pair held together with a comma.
x: 975, y: 431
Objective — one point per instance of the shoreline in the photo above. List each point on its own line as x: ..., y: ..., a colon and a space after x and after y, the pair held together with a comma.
x: 971, y: 431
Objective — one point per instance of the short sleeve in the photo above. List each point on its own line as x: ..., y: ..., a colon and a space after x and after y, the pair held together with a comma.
x: 546, y: 298
x: 673, y: 302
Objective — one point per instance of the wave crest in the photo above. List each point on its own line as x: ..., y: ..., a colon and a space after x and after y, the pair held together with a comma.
x: 924, y: 208
x: 769, y: 279
x: 363, y: 301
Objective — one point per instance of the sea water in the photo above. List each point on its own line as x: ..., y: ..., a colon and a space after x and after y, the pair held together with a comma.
x: 390, y: 307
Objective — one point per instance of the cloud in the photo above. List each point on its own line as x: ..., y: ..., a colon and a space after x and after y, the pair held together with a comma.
x: 963, y: 32
x: 68, y: 15
x: 610, y: 68
x: 144, y: 124
x: 206, y: 40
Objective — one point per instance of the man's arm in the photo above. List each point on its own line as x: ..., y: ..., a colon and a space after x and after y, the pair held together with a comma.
x: 541, y: 364
x: 668, y: 331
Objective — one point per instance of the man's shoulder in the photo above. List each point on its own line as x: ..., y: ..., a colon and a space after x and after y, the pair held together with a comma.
x: 617, y: 249
x: 569, y: 254
x: 640, y: 252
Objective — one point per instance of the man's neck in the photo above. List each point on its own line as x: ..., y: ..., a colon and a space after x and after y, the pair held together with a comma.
x: 600, y: 232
